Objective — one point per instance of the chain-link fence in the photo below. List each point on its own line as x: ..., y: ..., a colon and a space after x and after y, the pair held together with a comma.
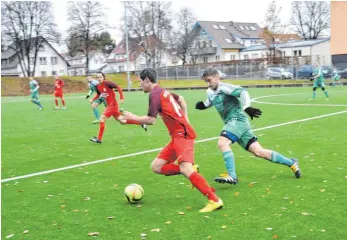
x: 282, y: 68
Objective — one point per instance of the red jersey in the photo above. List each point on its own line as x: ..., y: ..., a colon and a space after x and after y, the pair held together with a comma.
x: 59, y: 85
x: 105, y: 90
x: 165, y: 104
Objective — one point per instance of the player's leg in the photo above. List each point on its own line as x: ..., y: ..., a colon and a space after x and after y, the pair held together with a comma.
x: 164, y: 162
x: 325, y: 91
x: 56, y: 95
x: 62, y: 100
x: 38, y: 103
x: 313, y: 92
x: 254, y: 147
x: 103, y: 118
x: 95, y: 105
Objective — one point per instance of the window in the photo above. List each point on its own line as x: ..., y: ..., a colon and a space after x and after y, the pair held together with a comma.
x: 121, y: 68
x: 217, y: 58
x: 221, y: 27
x: 232, y: 57
x: 245, y: 56
x: 252, y: 28
x: 283, y: 53
x: 205, y: 44
x: 228, y: 40
x: 54, y: 73
x: 295, y: 53
x: 247, y: 28
x: 43, y: 73
x: 5, y: 61
x: 43, y: 61
x: 241, y: 27
x: 54, y: 60
x: 215, y: 26
x: 205, y: 59
x: 299, y: 53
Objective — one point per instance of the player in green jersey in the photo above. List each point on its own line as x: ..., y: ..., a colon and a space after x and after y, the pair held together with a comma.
x: 318, y: 81
x: 232, y: 102
x: 336, y: 78
x: 34, y: 92
x: 92, y: 83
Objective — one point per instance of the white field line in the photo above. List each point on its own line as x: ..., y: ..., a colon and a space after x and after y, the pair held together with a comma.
x: 158, y: 149
x: 296, y: 104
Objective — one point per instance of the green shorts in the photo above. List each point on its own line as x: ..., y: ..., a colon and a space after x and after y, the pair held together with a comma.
x: 318, y: 84
x: 100, y: 101
x: 241, y: 130
x: 34, y: 95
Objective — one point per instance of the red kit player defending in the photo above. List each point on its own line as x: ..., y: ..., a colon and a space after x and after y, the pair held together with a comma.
x: 105, y: 89
x: 58, y: 92
x: 173, y: 110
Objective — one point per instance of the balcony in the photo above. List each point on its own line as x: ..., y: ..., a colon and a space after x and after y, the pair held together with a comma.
x: 204, y: 51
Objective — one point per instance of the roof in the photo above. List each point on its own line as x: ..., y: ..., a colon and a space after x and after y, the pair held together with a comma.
x: 299, y: 43
x: 220, y: 31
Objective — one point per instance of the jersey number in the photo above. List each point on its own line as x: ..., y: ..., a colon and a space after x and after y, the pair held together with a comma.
x: 174, y: 103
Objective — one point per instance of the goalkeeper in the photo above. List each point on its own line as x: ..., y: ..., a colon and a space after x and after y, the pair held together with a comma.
x: 318, y: 81
x: 92, y: 88
x: 231, y: 102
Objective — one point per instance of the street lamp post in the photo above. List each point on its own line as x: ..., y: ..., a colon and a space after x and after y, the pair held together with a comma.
x: 127, y: 45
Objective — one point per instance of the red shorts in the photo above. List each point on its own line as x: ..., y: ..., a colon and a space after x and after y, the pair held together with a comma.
x: 58, y: 94
x: 180, y: 149
x: 112, y: 111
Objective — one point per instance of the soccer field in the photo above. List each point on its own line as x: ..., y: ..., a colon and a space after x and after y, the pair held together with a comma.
x: 75, y: 198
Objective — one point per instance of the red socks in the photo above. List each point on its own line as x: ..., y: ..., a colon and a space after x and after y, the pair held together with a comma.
x: 56, y: 103
x: 132, y: 122
x: 200, y: 183
x: 63, y: 102
x: 101, y: 130
x: 170, y: 169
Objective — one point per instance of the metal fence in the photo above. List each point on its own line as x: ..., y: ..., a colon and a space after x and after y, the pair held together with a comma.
x: 244, y: 69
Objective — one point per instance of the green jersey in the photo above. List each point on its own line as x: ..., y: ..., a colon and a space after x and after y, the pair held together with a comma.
x: 318, y: 72
x: 230, y: 101
x: 33, y: 84
x: 336, y: 76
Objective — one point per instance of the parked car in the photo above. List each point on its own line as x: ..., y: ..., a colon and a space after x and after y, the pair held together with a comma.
x: 275, y: 72
x: 305, y: 71
x: 343, y: 74
x: 292, y: 70
x: 327, y: 71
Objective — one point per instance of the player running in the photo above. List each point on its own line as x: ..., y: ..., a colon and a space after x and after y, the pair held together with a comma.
x: 34, y: 92
x: 58, y: 93
x: 336, y: 78
x: 318, y: 81
x: 92, y: 83
x: 231, y: 102
x: 105, y: 89
x: 173, y: 110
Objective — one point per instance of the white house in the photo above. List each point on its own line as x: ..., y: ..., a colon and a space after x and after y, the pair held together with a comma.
x: 78, y: 62
x: 318, y: 50
x: 49, y: 62
x: 222, y: 41
x: 138, y: 59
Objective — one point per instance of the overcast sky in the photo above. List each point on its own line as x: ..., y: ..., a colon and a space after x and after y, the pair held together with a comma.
x: 210, y: 10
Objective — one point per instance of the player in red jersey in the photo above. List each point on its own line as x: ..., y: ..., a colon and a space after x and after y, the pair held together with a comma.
x: 58, y: 92
x: 173, y: 110
x: 105, y: 89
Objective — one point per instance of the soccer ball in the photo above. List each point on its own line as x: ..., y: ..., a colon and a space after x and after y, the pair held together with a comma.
x: 133, y: 193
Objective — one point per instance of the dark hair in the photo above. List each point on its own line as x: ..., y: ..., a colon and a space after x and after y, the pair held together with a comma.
x: 101, y: 74
x: 149, y: 73
x: 209, y: 72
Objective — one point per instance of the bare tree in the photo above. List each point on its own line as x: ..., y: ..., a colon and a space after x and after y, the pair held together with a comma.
x: 25, y: 26
x: 310, y: 18
x: 273, y: 29
x: 87, y: 20
x: 150, y: 23
x: 184, y: 36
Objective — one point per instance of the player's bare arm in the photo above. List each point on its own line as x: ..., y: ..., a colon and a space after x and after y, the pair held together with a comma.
x: 148, y: 120
x: 183, y: 105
